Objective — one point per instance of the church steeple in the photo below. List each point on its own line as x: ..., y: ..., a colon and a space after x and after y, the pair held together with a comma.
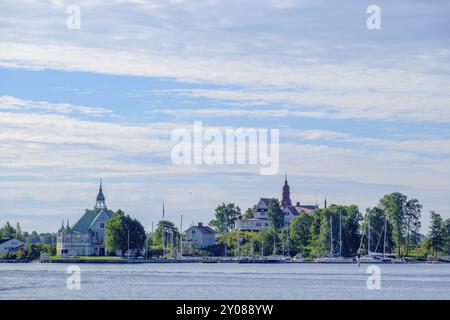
x: 286, y: 197
x: 100, y: 201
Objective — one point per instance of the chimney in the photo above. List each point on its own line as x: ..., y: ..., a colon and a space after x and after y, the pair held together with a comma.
x: 200, y: 224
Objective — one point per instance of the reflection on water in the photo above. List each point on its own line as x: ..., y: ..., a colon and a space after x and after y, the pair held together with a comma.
x: 224, y: 281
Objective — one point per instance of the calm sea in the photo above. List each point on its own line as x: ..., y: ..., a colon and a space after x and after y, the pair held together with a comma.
x: 224, y: 281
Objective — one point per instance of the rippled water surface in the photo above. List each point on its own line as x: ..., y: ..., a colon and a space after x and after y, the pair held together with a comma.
x: 224, y: 281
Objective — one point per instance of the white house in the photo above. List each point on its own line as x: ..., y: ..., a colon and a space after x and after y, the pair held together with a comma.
x: 9, y: 244
x: 200, y: 236
x: 261, y: 209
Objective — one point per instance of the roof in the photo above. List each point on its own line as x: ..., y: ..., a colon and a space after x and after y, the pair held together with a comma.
x: 4, y: 240
x: 203, y: 229
x: 100, y: 196
x: 266, y: 201
x: 8, y: 239
x: 82, y: 225
x: 295, y: 210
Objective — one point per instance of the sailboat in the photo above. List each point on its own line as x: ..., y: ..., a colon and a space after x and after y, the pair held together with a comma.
x: 376, y: 257
x: 334, y: 257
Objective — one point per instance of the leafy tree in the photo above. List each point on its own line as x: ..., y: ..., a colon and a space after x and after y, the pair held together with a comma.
x: 299, y: 233
x: 437, y: 232
x: 19, y: 233
x: 351, y: 221
x: 267, y: 242
x: 378, y: 220
x: 34, y: 238
x: 169, y: 229
x: 447, y: 237
x: 275, y: 215
x: 8, y: 231
x: 119, y: 229
x: 412, y: 222
x: 320, y: 234
x: 47, y: 238
x: 225, y: 217
x: 248, y: 213
x: 394, y: 206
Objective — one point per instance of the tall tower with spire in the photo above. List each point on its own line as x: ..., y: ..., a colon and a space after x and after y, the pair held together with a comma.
x: 100, y: 201
x: 286, y: 197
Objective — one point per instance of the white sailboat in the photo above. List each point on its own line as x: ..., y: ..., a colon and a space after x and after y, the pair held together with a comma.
x: 334, y: 257
x: 376, y: 257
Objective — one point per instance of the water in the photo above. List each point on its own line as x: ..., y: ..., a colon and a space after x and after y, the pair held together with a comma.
x: 224, y: 281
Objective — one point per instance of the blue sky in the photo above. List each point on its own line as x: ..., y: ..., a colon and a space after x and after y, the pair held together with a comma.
x: 361, y: 113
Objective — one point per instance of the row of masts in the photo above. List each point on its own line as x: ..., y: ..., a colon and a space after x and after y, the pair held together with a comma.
x: 340, y: 234
x: 369, y: 245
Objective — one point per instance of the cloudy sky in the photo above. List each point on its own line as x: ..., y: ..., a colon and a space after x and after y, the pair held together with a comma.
x: 361, y: 112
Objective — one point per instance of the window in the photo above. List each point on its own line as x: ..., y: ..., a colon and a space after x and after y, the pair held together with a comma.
x: 102, y: 225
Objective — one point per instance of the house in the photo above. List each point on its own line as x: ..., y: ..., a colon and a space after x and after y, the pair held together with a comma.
x: 9, y: 244
x: 261, y: 210
x: 200, y: 236
x: 86, y: 236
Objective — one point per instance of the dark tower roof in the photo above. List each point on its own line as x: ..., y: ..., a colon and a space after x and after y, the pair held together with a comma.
x: 100, y: 201
x: 286, y: 197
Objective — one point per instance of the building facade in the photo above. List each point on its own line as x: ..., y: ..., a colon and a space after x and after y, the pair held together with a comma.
x: 10, y: 244
x: 260, y: 211
x: 200, y: 236
x: 86, y: 237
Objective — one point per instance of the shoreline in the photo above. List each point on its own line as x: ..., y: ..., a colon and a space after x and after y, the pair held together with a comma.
x: 207, y: 261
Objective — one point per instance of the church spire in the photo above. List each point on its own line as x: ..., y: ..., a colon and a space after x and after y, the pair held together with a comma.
x: 164, y: 211
x: 100, y: 201
x: 325, y: 202
x: 286, y: 197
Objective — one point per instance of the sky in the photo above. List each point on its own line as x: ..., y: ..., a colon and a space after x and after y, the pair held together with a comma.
x: 361, y: 112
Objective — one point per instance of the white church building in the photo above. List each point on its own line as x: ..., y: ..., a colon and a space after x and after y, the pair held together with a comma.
x: 86, y: 236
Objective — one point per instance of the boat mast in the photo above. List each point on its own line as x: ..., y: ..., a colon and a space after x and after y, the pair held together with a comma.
x: 331, y: 233
x: 262, y: 245
x: 385, y: 231
x: 181, y: 237
x: 287, y: 236
x: 340, y: 233
x: 368, y: 233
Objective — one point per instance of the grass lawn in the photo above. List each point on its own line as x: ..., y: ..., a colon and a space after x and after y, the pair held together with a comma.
x: 88, y: 258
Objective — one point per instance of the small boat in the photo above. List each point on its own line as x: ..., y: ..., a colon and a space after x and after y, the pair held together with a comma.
x: 298, y: 258
x: 275, y: 259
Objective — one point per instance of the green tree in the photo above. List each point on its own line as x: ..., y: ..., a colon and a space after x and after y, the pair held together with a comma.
x: 378, y: 221
x: 299, y: 233
x: 436, y: 233
x: 34, y: 238
x: 169, y: 229
x: 267, y: 242
x: 447, y: 237
x: 248, y: 213
x: 19, y: 233
x: 8, y: 231
x: 275, y: 215
x: 225, y: 217
x: 394, y: 206
x: 412, y: 222
x: 121, y: 228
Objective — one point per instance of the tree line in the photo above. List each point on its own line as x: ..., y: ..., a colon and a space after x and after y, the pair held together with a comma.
x: 394, y: 224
